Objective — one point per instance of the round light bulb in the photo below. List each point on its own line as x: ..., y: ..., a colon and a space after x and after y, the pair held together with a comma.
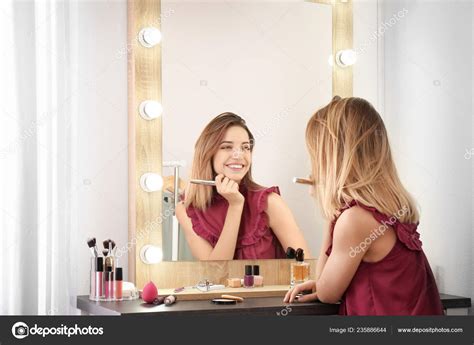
x: 149, y: 37
x: 346, y: 57
x: 150, y: 254
x: 150, y: 110
x: 151, y: 182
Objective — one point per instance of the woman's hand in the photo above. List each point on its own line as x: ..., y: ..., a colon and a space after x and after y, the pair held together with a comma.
x: 229, y: 189
x: 291, y: 295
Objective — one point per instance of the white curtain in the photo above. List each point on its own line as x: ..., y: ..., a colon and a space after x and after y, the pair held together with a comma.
x: 37, y: 199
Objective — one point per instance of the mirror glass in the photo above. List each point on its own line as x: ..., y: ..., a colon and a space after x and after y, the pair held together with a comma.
x: 266, y: 61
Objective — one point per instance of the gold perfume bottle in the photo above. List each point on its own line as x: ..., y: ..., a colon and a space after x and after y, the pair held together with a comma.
x: 299, y: 269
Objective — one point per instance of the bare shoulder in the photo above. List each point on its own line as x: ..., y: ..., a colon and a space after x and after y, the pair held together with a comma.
x: 275, y: 202
x: 355, y: 222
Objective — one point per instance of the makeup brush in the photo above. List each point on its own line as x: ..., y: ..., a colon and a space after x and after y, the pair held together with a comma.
x: 204, y: 182
x: 106, y: 244
x: 112, y: 251
x: 91, y: 242
x: 303, y: 181
x: 105, y: 252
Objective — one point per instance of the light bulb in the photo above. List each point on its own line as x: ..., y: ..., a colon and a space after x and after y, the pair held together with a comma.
x: 346, y: 57
x: 150, y: 110
x: 149, y: 37
x: 151, y: 182
x: 151, y: 254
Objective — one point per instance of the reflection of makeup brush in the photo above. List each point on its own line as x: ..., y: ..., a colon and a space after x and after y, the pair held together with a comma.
x: 204, y: 182
x: 91, y: 243
x: 302, y: 181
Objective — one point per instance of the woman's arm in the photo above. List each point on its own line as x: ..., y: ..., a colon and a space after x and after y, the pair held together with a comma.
x: 283, y: 224
x: 225, y: 246
x: 335, y: 272
x: 352, y: 228
x: 322, y: 253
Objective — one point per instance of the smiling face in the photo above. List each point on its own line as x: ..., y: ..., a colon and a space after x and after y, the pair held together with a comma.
x: 234, y: 154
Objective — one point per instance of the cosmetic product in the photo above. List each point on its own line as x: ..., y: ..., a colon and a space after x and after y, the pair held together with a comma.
x: 150, y: 292
x: 129, y: 291
x: 224, y: 301
x: 93, y: 279
x: 109, y: 284
x: 235, y: 298
x: 159, y: 300
x: 118, y: 288
x: 210, y: 287
x: 299, y: 269
x: 257, y: 278
x: 91, y: 242
x: 234, y: 282
x: 290, y: 253
x: 97, y: 279
x: 303, y: 181
x: 203, y: 182
x: 109, y: 259
x: 248, y: 278
x: 169, y: 300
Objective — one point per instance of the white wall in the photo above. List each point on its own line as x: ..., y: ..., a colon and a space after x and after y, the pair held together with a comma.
x: 367, y: 45
x: 265, y: 61
x: 101, y: 164
x: 428, y: 110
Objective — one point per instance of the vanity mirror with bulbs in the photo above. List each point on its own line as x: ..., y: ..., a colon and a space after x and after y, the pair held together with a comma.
x: 273, y: 64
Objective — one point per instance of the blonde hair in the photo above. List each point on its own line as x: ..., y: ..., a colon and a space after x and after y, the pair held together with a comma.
x: 351, y: 160
x: 206, y: 147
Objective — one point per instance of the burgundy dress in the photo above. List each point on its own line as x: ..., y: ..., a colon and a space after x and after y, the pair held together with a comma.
x: 255, y: 240
x: 402, y: 283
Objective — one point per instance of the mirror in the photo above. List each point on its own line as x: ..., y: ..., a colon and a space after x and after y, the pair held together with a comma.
x: 267, y: 62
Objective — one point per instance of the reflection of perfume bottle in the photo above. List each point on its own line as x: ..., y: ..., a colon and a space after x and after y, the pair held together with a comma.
x: 299, y: 269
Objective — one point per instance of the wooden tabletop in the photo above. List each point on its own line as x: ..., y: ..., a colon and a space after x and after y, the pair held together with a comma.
x: 254, y: 306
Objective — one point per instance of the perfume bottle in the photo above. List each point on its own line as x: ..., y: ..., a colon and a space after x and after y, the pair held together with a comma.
x: 299, y: 269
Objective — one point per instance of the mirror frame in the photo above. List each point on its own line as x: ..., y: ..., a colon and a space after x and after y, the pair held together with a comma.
x: 145, y: 155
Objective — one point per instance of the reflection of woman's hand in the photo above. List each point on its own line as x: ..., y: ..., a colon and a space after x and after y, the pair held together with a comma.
x: 290, y: 296
x: 229, y: 189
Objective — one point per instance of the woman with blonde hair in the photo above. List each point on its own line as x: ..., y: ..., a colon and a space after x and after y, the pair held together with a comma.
x: 371, y: 258
x: 238, y: 218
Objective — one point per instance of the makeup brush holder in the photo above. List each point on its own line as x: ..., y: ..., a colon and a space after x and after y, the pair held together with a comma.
x: 96, y: 279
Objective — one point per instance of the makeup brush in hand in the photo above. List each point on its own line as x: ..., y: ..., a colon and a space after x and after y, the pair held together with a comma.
x: 91, y: 242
